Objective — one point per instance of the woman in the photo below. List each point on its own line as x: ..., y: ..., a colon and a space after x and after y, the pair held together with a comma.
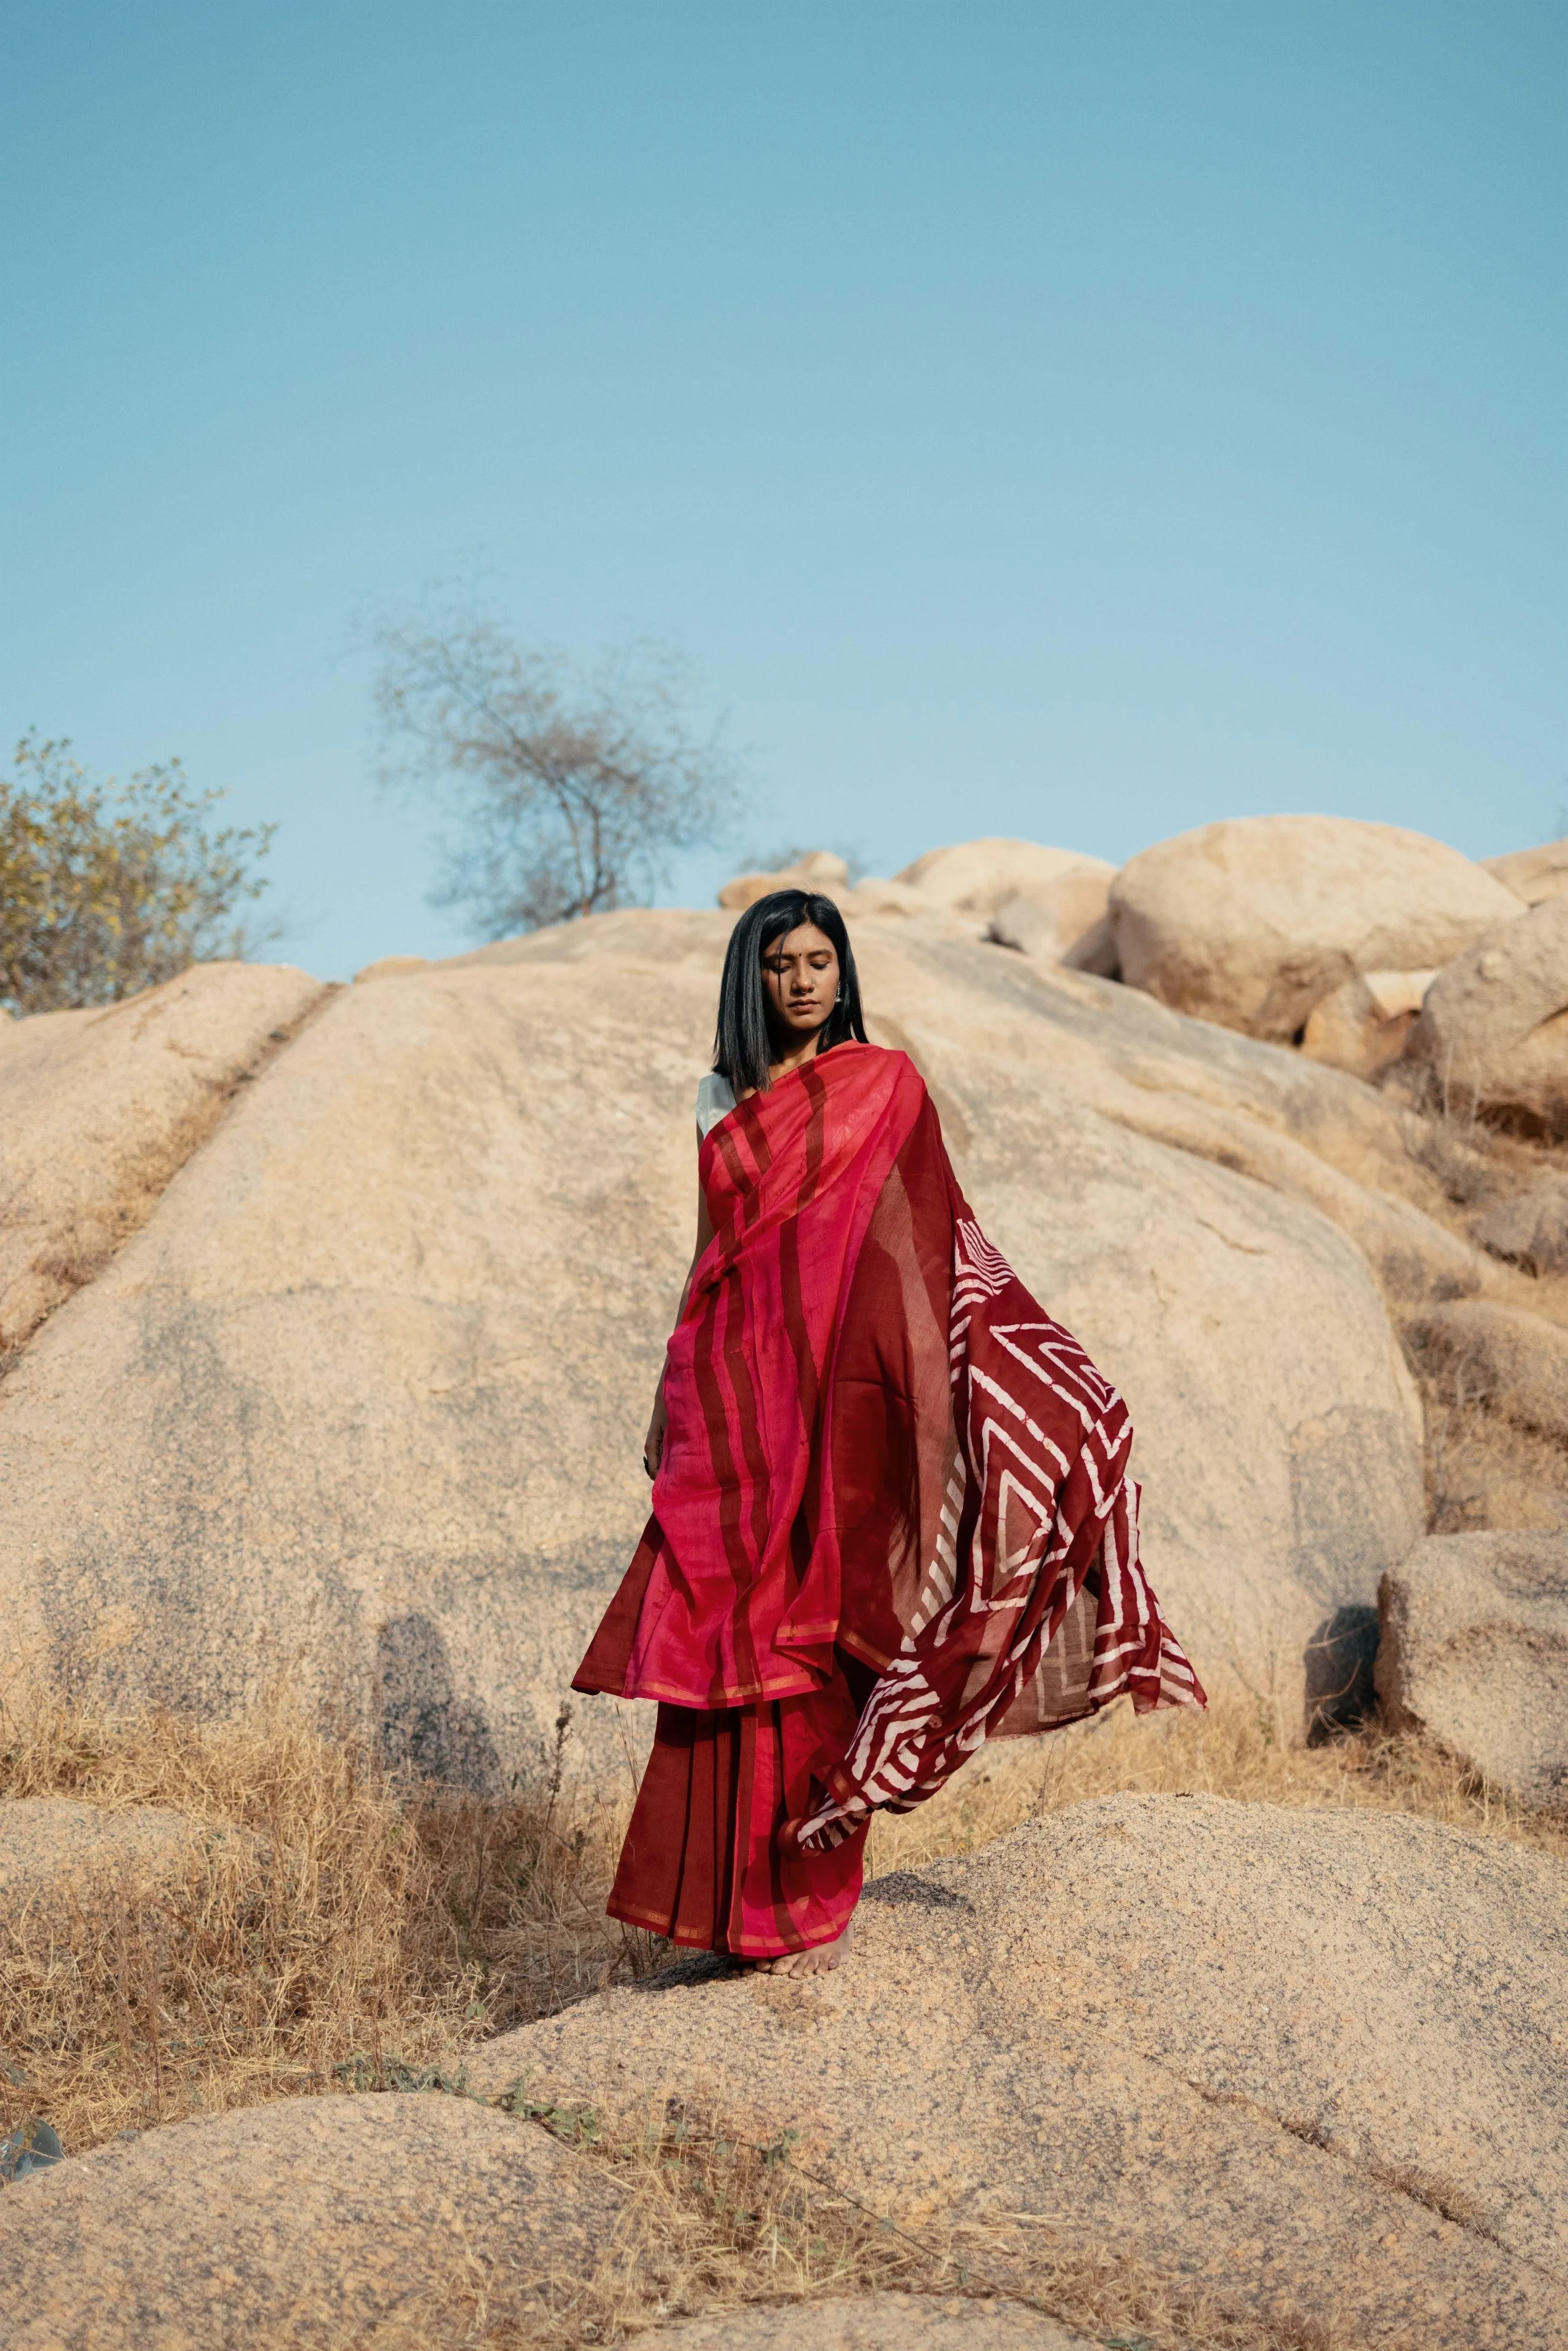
x: 892, y: 1513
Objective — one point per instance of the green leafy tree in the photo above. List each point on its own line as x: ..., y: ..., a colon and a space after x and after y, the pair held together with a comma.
x: 106, y: 890
x: 572, y: 787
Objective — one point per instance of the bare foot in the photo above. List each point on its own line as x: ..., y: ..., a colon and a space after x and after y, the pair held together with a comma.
x: 817, y: 1961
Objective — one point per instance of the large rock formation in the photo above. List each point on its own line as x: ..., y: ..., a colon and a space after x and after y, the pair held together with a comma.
x: 1044, y: 901
x: 1532, y: 874
x: 98, y: 1109
x: 1204, y: 2034
x: 1310, y: 1131
x: 1493, y: 1028
x: 816, y: 869
x: 1529, y: 1227
x: 365, y: 1399
x: 60, y: 1859
x: 317, y: 2222
x: 871, y: 2322
x: 978, y: 877
x: 823, y: 870
x: 1475, y: 1652
x: 1505, y: 1357
x: 1252, y: 921
x: 1057, y: 919
x: 1363, y: 1024
x: 1279, y: 1443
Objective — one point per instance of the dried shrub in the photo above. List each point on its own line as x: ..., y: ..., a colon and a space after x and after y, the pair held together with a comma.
x: 355, y: 1932
x: 1232, y: 1750
x: 1483, y: 1470
x: 106, y: 890
x: 720, y: 2209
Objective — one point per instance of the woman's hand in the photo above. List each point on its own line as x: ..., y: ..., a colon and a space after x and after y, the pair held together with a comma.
x: 653, y: 1442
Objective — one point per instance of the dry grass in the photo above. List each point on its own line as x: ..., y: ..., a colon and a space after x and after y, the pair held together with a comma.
x: 1473, y: 1159
x: 1231, y: 1751
x: 354, y: 1933
x: 720, y: 2209
x: 358, y: 1934
x: 1469, y: 1165
x: 1472, y: 1164
x: 1483, y: 1469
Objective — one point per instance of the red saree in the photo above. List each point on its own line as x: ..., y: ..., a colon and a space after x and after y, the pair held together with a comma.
x: 892, y: 1519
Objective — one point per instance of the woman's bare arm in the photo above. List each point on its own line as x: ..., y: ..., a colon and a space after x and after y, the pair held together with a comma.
x: 653, y: 1442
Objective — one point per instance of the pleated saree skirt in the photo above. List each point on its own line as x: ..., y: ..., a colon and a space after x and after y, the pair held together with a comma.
x: 704, y: 1861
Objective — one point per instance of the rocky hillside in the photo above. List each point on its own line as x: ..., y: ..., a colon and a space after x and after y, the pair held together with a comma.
x: 333, y: 1315
x: 329, y: 1320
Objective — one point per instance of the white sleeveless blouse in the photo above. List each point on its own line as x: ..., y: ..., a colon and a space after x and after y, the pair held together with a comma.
x: 716, y: 1099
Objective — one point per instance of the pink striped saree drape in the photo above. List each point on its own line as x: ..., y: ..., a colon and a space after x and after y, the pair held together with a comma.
x: 894, y: 1518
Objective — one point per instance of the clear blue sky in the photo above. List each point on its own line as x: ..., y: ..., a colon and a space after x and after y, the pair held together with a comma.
x: 1078, y: 421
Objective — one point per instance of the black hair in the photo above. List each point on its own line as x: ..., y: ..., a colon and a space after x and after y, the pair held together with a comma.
x: 743, y: 1046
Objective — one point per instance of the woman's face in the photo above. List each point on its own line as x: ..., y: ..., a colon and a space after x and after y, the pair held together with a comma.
x: 800, y: 982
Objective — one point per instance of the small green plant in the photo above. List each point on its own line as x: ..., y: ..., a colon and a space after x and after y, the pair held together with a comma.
x: 575, y: 2126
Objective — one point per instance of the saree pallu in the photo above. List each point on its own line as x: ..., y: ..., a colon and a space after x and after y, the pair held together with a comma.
x: 892, y: 1518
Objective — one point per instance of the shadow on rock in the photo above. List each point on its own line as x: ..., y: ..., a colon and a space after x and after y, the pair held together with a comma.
x: 1340, y: 1658
x: 427, y: 1727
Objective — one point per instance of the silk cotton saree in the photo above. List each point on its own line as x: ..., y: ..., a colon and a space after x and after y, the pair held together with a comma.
x: 892, y: 1519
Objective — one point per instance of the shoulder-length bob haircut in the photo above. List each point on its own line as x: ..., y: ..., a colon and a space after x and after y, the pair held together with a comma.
x: 743, y: 1047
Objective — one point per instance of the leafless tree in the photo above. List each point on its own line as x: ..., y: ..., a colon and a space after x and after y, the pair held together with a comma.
x: 573, y: 787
